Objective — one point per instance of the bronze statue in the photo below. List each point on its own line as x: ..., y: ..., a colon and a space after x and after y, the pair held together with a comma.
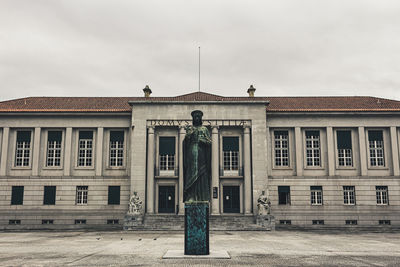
x: 197, y: 161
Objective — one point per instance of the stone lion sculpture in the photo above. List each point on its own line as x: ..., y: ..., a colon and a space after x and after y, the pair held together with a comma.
x: 135, y: 204
x: 263, y: 204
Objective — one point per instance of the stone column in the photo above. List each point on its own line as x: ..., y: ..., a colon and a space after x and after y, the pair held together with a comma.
x: 182, y: 133
x: 67, y: 152
x: 299, y: 151
x: 331, y: 151
x: 215, y: 170
x: 395, y: 150
x: 363, y: 152
x: 247, y: 171
x: 150, y: 170
x: 4, y: 151
x: 99, y: 151
x: 36, y: 152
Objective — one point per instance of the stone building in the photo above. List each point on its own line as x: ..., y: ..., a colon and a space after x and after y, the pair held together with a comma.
x: 73, y: 162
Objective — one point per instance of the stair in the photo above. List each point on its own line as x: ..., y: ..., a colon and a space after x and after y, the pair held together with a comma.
x: 160, y: 222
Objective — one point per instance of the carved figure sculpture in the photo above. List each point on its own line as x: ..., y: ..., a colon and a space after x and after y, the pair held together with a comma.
x: 135, y: 205
x: 263, y: 204
x: 197, y: 160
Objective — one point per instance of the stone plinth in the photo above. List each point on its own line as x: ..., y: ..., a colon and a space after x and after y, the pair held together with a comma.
x: 132, y: 221
x: 197, y: 228
x: 266, y: 221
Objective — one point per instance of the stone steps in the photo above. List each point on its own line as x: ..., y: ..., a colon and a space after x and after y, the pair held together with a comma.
x: 177, y: 223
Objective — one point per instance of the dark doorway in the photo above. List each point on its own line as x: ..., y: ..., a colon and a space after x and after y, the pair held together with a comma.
x: 166, y: 199
x: 231, y: 199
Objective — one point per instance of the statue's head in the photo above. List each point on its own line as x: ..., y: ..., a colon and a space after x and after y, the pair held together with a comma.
x: 197, y: 116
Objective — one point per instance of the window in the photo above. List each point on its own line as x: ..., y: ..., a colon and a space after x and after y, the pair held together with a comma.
x: 281, y: 148
x: 47, y: 221
x: 316, y: 195
x: 230, y: 148
x: 349, y: 195
x: 382, y: 197
x: 80, y: 221
x: 318, y: 222
x: 81, y: 195
x: 114, y: 195
x: 17, y: 195
x: 167, y: 154
x: 313, y: 153
x: 14, y: 222
x: 288, y: 222
x: 375, y: 141
x: 49, y: 197
x: 116, y: 148
x: 112, y: 221
x: 54, y: 148
x: 384, y: 222
x: 23, y: 149
x: 351, y: 222
x: 344, y: 148
x: 85, y: 153
x: 284, y: 195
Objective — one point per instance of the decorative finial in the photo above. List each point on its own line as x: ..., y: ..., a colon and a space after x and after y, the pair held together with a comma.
x: 147, y: 91
x: 251, y: 91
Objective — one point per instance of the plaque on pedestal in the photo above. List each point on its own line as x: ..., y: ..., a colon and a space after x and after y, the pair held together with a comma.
x: 197, y: 228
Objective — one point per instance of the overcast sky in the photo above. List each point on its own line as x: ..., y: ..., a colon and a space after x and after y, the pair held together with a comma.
x: 115, y: 48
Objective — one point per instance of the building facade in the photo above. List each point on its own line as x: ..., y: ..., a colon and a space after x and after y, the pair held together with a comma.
x: 323, y: 161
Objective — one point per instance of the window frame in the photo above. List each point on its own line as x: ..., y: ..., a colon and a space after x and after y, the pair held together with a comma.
x: 348, y: 203
x: 381, y: 196
x: 109, y: 202
x: 22, y: 199
x: 385, y: 149
x: 108, y: 144
x: 92, y: 167
x: 321, y: 149
x: 315, y: 197
x: 176, y: 157
x: 288, y: 196
x: 77, y: 199
x: 44, y: 195
x: 45, y: 150
x: 289, y: 143
x: 14, y: 166
x: 353, y: 148
x: 228, y: 132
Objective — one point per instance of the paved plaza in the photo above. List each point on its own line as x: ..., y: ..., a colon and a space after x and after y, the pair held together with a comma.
x: 279, y: 248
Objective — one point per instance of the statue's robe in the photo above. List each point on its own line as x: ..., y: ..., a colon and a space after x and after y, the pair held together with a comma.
x: 197, y: 164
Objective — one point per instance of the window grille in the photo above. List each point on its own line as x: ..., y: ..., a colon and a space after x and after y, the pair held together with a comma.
x: 54, y: 148
x: 80, y: 221
x: 376, y: 153
x: 313, y: 152
x: 318, y: 222
x: 230, y: 147
x: 382, y: 195
x: 14, y: 222
x: 112, y: 221
x: 23, y: 149
x: 116, y: 148
x: 47, y: 221
x: 81, y: 195
x: 85, y: 148
x: 349, y: 196
x: 281, y: 148
x: 316, y: 195
x: 351, y: 222
x: 288, y: 222
x: 384, y: 222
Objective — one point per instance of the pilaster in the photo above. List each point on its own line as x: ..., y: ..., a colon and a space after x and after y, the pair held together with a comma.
x: 182, y: 133
x: 299, y: 151
x: 150, y: 170
x: 395, y: 150
x: 247, y: 171
x: 67, y: 152
x: 363, y: 151
x: 215, y: 210
x: 36, y: 152
x: 331, y: 151
x: 99, y: 151
x: 4, y: 151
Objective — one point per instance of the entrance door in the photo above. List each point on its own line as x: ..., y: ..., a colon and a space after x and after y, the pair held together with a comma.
x: 166, y: 199
x: 231, y: 199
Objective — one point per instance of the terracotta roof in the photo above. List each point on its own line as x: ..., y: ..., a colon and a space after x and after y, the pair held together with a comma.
x: 331, y: 103
x: 121, y: 104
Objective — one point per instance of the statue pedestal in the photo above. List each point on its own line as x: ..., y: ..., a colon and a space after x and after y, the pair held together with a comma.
x: 133, y: 221
x: 197, y: 228
x: 266, y: 221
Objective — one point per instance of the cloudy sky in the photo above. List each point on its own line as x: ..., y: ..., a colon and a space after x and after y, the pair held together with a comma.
x: 115, y: 48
